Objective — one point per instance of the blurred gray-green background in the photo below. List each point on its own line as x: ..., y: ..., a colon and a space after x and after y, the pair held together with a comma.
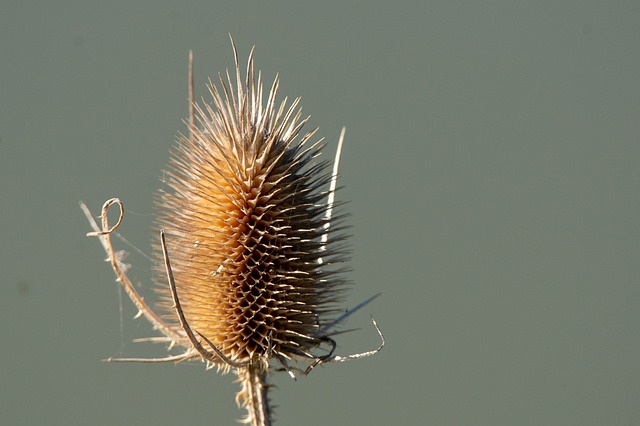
x: 492, y: 167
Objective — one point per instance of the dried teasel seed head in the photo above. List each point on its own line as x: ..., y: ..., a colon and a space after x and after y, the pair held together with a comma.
x: 252, y: 252
x: 256, y: 271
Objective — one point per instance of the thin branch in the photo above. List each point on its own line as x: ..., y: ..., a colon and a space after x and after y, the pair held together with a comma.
x: 174, y: 358
x: 338, y: 358
x: 104, y: 234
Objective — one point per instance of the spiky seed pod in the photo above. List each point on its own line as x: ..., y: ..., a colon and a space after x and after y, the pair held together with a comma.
x: 244, y: 216
x: 255, y: 249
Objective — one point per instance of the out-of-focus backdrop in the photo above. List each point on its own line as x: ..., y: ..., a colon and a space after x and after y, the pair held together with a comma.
x: 492, y: 168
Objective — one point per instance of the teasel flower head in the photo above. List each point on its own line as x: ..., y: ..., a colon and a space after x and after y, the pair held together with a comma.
x: 244, y: 218
x: 251, y: 257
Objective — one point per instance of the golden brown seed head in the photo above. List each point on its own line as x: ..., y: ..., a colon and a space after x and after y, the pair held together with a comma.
x: 244, y: 216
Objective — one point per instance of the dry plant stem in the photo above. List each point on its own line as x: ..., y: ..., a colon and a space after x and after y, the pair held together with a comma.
x: 338, y: 358
x: 118, y: 267
x: 253, y: 394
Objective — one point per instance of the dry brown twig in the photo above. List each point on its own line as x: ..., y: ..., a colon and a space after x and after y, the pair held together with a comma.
x: 255, y: 249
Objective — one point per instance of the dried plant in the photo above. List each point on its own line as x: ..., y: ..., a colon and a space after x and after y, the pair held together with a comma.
x: 249, y: 246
